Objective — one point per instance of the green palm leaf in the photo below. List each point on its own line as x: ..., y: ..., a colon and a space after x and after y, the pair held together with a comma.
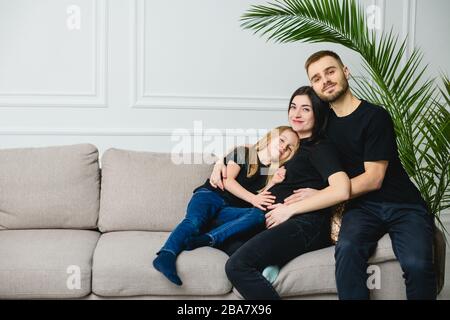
x: 418, y: 107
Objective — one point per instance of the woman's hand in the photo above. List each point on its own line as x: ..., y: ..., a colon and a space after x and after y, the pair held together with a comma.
x: 277, y: 216
x: 262, y: 199
x: 279, y: 175
x: 300, y: 194
x: 219, y: 172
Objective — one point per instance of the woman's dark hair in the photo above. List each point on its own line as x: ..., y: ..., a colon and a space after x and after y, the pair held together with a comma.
x: 320, y: 109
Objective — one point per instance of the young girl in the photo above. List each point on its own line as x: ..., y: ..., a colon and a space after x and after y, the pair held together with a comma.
x: 236, y: 209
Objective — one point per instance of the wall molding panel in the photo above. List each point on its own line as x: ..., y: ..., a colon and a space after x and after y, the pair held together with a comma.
x: 141, y: 99
x: 96, y: 97
x: 409, y: 25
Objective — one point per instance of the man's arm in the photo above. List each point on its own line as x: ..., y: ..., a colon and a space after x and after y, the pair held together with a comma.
x: 370, y: 180
x: 379, y: 148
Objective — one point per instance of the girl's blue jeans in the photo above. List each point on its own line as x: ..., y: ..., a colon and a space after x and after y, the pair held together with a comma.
x: 205, y: 207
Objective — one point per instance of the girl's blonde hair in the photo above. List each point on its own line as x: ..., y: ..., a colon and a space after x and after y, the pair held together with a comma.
x: 264, y: 143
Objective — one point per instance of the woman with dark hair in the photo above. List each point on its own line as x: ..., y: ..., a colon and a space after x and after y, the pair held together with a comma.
x: 301, y: 227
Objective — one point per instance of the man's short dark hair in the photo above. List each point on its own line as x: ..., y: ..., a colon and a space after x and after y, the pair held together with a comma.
x: 319, y: 55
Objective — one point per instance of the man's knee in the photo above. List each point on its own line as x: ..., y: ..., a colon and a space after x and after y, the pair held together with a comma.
x: 344, y: 246
x: 350, y: 248
x: 416, y: 267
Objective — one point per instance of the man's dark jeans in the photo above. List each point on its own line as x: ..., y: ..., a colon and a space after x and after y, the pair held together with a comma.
x: 410, y: 228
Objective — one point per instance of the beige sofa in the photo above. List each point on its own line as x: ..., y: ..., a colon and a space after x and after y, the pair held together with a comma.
x: 71, y: 230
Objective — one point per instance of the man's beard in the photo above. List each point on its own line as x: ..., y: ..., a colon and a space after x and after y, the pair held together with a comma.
x: 337, y: 95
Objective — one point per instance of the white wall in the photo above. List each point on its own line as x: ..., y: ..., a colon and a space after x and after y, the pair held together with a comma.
x: 136, y: 70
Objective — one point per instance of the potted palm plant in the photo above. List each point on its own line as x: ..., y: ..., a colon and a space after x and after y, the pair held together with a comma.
x: 419, y: 106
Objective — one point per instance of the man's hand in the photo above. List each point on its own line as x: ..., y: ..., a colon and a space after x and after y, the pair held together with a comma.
x: 219, y: 173
x: 300, y: 194
x: 277, y: 216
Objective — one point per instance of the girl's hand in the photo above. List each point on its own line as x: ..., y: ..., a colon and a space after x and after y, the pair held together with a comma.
x: 263, y: 199
x: 279, y: 175
x: 219, y: 172
x: 277, y: 216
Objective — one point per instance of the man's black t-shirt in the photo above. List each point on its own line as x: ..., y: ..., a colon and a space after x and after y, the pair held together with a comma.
x: 240, y: 156
x: 310, y: 167
x: 367, y: 134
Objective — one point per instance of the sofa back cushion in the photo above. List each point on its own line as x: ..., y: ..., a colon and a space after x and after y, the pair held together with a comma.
x: 146, y: 191
x: 49, y: 187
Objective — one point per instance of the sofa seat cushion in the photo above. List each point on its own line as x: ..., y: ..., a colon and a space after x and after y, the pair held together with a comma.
x: 313, y: 272
x: 123, y: 267
x: 46, y: 263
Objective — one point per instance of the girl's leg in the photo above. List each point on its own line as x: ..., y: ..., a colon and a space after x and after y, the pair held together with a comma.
x: 202, y: 208
x: 275, y: 246
x: 230, y: 221
x: 236, y: 221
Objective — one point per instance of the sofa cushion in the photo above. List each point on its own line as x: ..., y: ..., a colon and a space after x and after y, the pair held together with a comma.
x: 51, y: 187
x: 123, y: 267
x: 145, y: 190
x: 46, y: 263
x: 313, y: 272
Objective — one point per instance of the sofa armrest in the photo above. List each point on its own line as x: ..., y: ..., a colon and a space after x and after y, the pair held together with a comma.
x: 439, y: 258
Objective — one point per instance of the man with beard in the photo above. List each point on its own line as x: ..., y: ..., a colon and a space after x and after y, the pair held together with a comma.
x: 384, y: 200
